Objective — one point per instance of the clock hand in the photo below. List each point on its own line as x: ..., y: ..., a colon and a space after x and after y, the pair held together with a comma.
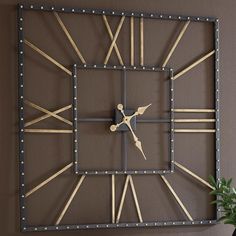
x: 121, y: 109
x: 114, y: 127
x: 126, y: 120
x: 138, y: 144
x: 141, y: 110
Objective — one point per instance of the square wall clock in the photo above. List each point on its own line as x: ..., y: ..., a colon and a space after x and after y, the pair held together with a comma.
x: 118, y: 118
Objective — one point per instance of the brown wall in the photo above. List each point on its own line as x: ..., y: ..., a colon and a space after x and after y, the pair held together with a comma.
x: 224, y: 10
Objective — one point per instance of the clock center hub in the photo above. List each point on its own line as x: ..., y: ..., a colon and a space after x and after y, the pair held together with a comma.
x: 119, y: 118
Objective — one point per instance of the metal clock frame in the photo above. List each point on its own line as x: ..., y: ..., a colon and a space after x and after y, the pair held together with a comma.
x: 170, y: 121
x: 23, y: 211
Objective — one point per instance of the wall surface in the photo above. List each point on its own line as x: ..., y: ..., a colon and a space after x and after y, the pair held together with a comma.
x: 224, y: 10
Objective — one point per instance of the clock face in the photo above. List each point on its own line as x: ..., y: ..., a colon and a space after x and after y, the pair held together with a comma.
x: 102, y: 150
x: 118, y: 118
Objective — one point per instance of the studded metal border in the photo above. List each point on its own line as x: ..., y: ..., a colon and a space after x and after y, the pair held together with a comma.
x: 75, y: 118
x: 217, y: 107
x: 23, y: 220
x: 170, y: 121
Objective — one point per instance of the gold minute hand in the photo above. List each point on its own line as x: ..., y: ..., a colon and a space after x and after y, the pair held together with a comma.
x: 138, y: 144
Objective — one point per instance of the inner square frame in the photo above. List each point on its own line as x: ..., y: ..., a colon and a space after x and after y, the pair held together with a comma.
x: 24, y: 226
x: 124, y: 168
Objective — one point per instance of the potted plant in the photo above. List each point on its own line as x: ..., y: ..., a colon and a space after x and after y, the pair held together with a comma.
x: 226, y: 200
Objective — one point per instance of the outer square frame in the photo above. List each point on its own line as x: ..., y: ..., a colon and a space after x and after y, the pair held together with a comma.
x: 23, y: 214
x: 170, y: 121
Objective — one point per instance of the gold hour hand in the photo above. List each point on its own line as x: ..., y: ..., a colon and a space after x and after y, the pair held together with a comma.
x: 114, y: 127
x: 141, y: 110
